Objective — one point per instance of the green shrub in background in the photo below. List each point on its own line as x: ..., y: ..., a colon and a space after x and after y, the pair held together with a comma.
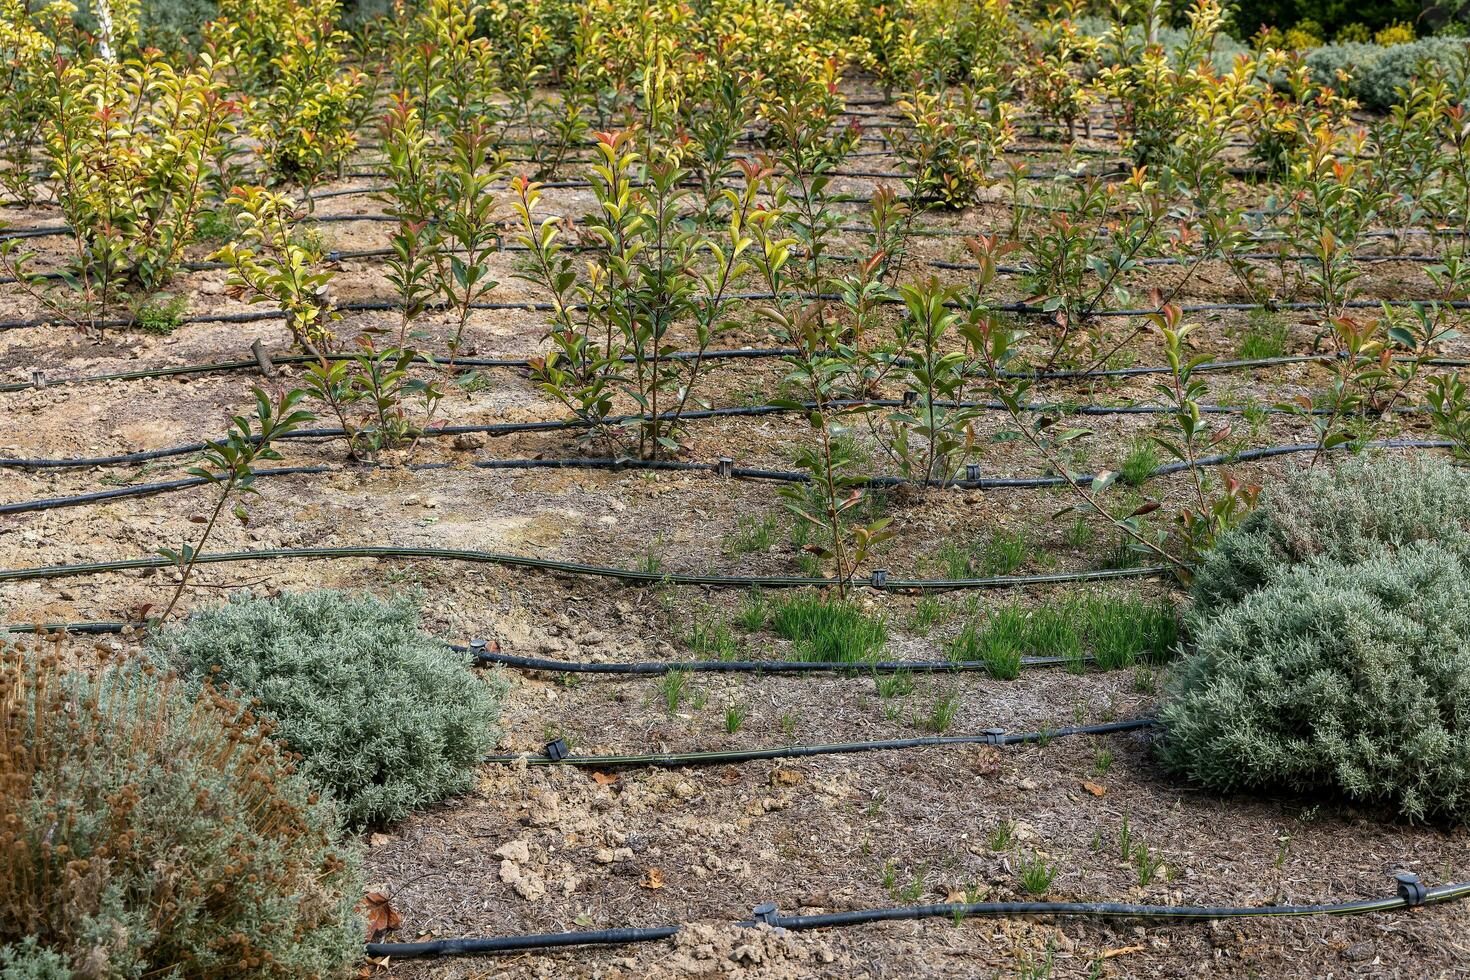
x: 1346, y: 679
x: 1330, y: 16
x: 147, y: 831
x: 1376, y: 73
x: 1350, y: 514
x: 385, y: 717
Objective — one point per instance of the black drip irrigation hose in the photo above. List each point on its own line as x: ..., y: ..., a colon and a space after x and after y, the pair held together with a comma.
x: 40, y: 380
x: 878, y: 580
x: 494, y: 658
x: 733, y: 472
x: 555, y: 754
x: 1411, y: 894
x: 1020, y: 309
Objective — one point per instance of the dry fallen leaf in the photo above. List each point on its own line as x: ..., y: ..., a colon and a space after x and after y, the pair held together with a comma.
x: 1108, y: 954
x: 787, y: 777
x: 381, y: 916
x: 652, y: 879
x: 604, y: 778
x: 1094, y: 788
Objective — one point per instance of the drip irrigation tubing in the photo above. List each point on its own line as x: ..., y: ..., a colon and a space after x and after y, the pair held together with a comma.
x: 494, y: 658
x: 675, y: 760
x: 1411, y: 894
x: 40, y: 380
x: 1020, y: 309
x: 878, y: 580
x: 734, y: 472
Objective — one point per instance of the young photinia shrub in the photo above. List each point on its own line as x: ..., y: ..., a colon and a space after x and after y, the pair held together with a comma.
x: 149, y: 831
x: 28, y: 36
x: 130, y: 145
x: 1352, y: 514
x: 1347, y: 679
x: 385, y: 717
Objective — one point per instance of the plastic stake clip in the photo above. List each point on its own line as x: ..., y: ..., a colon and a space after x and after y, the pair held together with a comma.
x: 972, y: 472
x: 478, y: 648
x: 1411, y: 889
x: 725, y: 467
x: 995, y: 736
x: 767, y: 913
x: 557, y: 750
x: 880, y: 578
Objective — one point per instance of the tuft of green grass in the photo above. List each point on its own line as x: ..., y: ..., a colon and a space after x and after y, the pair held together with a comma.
x: 673, y: 686
x: 830, y: 631
x: 751, y: 536
x: 941, y: 715
x: 711, y: 637
x: 998, y: 645
x: 1036, y: 875
x: 928, y: 613
x: 735, y: 716
x: 754, y: 611
x: 894, y: 685
x: 1118, y: 632
x: 1004, y: 553
x: 1141, y: 461
x: 1267, y: 335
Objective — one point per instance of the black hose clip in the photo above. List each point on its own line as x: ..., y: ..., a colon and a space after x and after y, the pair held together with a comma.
x: 724, y: 467
x: 1411, y: 889
x: 332, y: 257
x: 619, y: 462
x: 478, y: 648
x: 909, y: 397
x: 972, y: 472
x: 995, y: 736
x: 557, y: 750
x: 766, y: 913
x: 880, y: 578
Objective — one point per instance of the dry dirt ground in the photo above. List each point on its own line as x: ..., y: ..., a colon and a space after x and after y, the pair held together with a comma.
x: 545, y: 849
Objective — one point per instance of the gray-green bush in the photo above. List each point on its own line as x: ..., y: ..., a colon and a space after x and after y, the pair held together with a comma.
x: 386, y: 718
x: 1355, y: 512
x: 150, y: 831
x: 1377, y: 73
x: 1342, y: 679
x: 29, y: 960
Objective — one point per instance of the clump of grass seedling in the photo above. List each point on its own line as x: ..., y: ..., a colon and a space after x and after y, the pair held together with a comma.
x: 754, y: 611
x: 1036, y: 875
x: 711, y: 636
x: 832, y: 631
x: 998, y: 645
x: 1147, y: 863
x: 1103, y: 762
x: 894, y: 685
x: 673, y: 686
x: 1267, y: 335
x: 928, y: 613
x: 1140, y: 463
x: 751, y: 536
x: 1004, y: 553
x: 735, y: 716
x: 1001, y: 554
x: 1001, y: 836
x: 1117, y: 632
x: 941, y: 715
